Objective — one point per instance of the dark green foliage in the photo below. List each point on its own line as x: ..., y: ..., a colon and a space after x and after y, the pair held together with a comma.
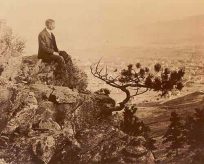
x: 131, y: 125
x: 174, y: 134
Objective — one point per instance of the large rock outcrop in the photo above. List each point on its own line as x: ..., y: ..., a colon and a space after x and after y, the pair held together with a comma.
x: 53, y: 124
x: 44, y: 121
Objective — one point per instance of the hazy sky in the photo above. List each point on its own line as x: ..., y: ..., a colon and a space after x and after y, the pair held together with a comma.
x: 91, y: 23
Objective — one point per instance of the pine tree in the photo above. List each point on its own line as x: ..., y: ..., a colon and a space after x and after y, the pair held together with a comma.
x: 174, y: 134
x: 135, y: 80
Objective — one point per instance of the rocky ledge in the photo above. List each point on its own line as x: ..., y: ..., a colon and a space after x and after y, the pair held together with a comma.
x: 33, y: 70
x: 43, y: 122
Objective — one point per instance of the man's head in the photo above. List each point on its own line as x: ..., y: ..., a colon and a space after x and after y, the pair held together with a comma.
x: 50, y: 24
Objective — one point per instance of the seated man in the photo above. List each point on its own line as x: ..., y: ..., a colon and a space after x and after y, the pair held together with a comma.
x: 48, y: 50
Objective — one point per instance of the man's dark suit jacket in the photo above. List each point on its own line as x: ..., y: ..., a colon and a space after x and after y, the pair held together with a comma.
x: 47, y: 44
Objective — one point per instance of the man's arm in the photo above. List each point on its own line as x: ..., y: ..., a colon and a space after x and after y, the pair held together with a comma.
x: 43, y: 46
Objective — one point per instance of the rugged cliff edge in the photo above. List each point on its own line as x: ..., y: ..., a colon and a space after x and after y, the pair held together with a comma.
x: 44, y: 121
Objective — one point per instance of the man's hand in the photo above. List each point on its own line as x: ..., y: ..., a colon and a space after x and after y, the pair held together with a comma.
x: 55, y: 53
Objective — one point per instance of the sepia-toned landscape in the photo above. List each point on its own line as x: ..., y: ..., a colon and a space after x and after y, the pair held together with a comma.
x: 133, y: 90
